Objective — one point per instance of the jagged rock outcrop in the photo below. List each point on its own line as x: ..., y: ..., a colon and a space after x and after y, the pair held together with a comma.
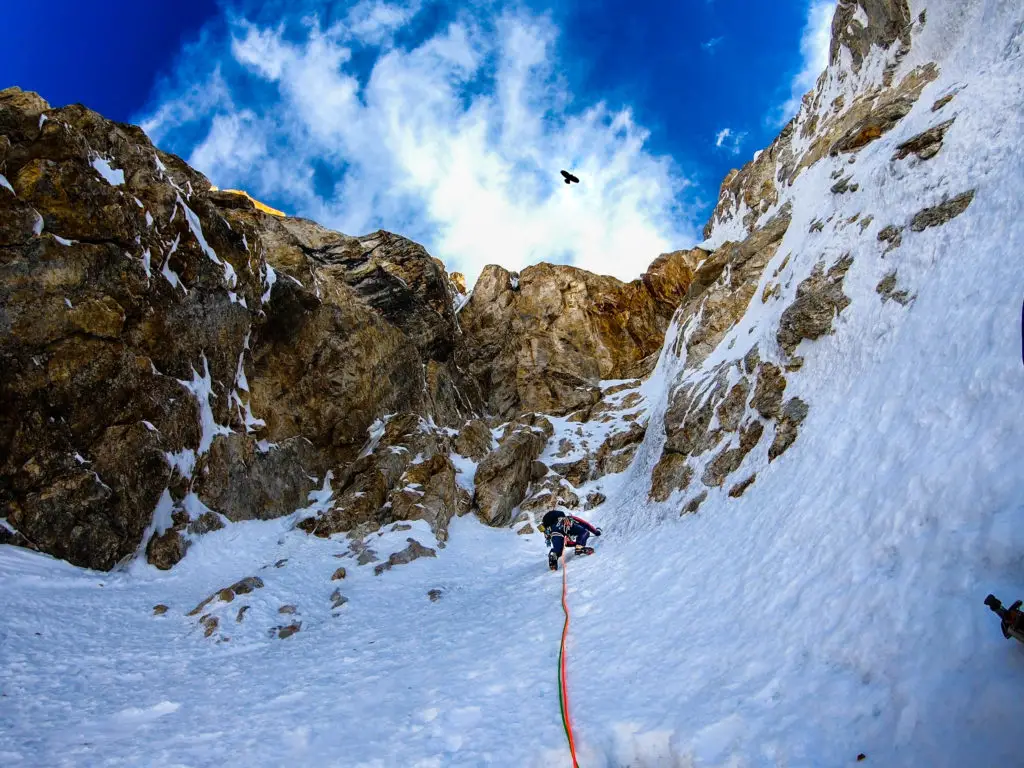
x: 829, y: 123
x: 404, y: 474
x: 543, y: 339
x: 504, y: 475
x: 719, y: 412
x: 159, y: 336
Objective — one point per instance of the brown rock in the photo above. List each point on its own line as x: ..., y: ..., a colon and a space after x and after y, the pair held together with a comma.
x: 247, y: 585
x: 544, y: 345
x: 940, y: 214
x: 434, y: 595
x: 594, y: 499
x: 285, y: 632
x: 552, y: 492
x: 844, y: 185
x: 504, y: 475
x: 771, y: 384
x: 205, y: 523
x: 166, y: 550
x: 337, y: 599
x: 892, y: 235
x: 753, y: 186
x: 616, y: 453
x: 793, y: 414
x: 688, y: 418
x: 888, y: 21
x: 737, y: 490
x: 886, y: 288
x: 160, y: 609
x: 925, y: 145
x: 414, y: 551
x: 210, y: 624
x: 289, y: 609
x: 819, y: 299
x: 751, y: 360
x: 722, y: 296
x: 103, y: 329
x: 474, y: 440
x: 241, y: 614
x: 729, y: 459
x: 102, y: 317
x: 733, y: 406
x: 870, y: 115
x: 694, y: 504
x: 872, y: 126
x: 338, y: 574
x: 244, y: 482
x: 576, y: 472
x: 458, y: 280
x: 525, y: 530
x: 366, y: 556
x: 670, y: 474
x: 429, y: 491
x: 668, y: 277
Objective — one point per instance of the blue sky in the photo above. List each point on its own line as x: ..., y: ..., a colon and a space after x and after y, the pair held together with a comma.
x: 447, y: 122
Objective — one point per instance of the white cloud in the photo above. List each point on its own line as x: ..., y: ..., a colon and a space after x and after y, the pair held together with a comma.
x: 729, y: 140
x: 373, y: 22
x: 814, y: 45
x: 710, y: 45
x: 456, y: 142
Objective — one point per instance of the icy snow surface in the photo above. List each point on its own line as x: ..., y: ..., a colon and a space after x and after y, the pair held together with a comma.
x: 834, y: 609
x: 113, y: 176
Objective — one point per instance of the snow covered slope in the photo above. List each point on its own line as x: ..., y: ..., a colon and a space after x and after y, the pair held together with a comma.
x: 832, y: 609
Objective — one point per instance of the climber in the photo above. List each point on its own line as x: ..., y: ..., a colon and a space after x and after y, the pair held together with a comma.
x: 557, y: 526
x: 1012, y: 622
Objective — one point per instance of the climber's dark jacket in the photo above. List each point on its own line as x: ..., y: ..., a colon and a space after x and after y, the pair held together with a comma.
x: 557, y: 525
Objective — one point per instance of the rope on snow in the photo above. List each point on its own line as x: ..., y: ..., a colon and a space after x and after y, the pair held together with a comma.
x: 563, y: 692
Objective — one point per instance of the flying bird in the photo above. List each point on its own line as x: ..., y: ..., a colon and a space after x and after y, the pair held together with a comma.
x: 569, y: 178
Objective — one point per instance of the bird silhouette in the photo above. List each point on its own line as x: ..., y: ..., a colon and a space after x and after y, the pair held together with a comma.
x: 569, y: 178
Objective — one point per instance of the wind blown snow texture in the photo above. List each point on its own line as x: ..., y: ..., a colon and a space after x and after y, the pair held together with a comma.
x: 834, y: 609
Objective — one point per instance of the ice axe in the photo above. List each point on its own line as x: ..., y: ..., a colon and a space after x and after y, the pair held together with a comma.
x: 1012, y: 618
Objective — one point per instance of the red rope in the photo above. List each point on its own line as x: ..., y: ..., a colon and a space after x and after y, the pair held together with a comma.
x: 563, y: 690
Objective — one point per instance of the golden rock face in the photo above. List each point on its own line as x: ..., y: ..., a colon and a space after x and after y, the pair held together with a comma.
x: 259, y: 206
x: 541, y: 340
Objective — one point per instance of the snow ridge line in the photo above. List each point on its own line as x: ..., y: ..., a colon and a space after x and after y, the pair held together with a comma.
x: 563, y: 691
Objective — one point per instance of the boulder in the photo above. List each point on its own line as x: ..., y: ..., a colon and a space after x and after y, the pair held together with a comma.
x: 414, y: 551
x: 504, y: 475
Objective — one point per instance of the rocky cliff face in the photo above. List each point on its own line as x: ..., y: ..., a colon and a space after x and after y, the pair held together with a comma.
x: 174, y: 358
x: 774, y: 279
x: 542, y: 340
x: 167, y: 347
